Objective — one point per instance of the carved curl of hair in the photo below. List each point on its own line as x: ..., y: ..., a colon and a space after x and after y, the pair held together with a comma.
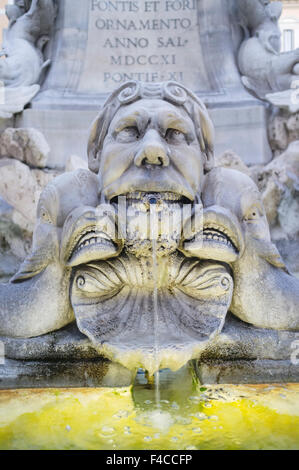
x: 172, y: 92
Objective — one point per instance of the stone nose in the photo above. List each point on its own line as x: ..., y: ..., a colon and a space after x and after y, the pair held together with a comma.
x: 152, y: 151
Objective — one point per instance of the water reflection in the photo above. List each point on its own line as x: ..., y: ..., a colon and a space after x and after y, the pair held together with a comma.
x: 190, y: 416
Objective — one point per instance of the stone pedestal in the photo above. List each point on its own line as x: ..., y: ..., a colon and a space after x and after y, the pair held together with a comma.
x: 98, y: 45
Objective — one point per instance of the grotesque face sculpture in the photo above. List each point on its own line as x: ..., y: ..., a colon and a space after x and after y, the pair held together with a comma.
x: 144, y: 129
x: 146, y: 294
x: 151, y: 143
x: 151, y: 146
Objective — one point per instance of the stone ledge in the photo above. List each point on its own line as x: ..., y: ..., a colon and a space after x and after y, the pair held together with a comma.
x: 238, y: 340
x: 247, y: 372
x: 102, y: 373
x: 66, y: 358
x: 30, y: 374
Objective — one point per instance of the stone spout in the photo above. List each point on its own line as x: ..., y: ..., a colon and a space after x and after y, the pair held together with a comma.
x: 114, y: 306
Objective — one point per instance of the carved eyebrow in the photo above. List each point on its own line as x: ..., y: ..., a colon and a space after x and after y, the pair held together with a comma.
x: 250, y: 200
x: 138, y: 119
x: 174, y: 121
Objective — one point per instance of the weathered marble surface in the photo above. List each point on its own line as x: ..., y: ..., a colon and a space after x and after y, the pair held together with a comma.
x: 178, y: 41
x: 15, y: 241
x: 98, y: 373
x: 249, y: 372
x: 78, y: 80
x: 13, y: 100
x: 241, y: 354
x: 24, y: 174
x: 111, y: 281
x: 26, y: 145
x: 21, y: 187
x: 237, y: 341
x: 283, y: 128
x: 278, y: 184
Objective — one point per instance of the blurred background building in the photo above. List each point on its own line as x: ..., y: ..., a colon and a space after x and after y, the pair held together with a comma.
x: 3, y: 18
x: 289, y: 24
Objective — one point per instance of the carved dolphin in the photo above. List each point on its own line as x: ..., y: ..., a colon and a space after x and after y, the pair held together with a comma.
x: 263, y: 68
x: 265, y: 293
x: 36, y: 301
x: 24, y: 62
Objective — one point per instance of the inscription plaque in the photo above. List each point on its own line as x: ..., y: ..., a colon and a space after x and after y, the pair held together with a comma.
x: 147, y: 40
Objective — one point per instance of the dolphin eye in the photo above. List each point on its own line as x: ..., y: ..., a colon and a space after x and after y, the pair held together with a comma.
x: 254, y: 213
x: 128, y: 134
x: 45, y: 217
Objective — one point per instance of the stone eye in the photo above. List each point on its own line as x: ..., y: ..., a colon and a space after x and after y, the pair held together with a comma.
x: 44, y: 215
x: 174, y: 136
x: 253, y: 214
x: 128, y: 134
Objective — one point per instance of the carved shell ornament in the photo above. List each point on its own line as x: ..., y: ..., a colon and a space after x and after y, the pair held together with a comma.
x: 114, y: 306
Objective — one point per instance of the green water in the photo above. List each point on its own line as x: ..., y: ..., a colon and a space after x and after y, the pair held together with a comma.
x: 190, y: 416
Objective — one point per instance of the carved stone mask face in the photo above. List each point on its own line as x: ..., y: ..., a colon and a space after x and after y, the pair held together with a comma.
x: 151, y: 146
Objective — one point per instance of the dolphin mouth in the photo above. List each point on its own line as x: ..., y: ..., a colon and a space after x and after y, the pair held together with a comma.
x: 91, y: 246
x: 213, y: 243
x: 88, y: 237
x: 220, y: 238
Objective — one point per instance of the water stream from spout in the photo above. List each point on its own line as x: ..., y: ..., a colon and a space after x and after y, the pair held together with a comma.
x: 153, y: 219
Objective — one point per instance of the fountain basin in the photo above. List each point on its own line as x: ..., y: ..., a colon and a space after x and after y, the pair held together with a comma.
x: 207, y: 417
